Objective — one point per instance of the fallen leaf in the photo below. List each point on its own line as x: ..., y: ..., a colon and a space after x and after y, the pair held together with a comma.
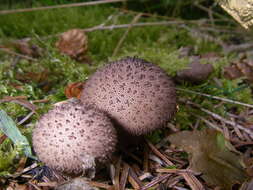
x: 41, y: 78
x: 73, y: 90
x: 73, y: 43
x: 195, y: 73
x: 212, y: 156
x: 240, y: 68
x: 25, y: 48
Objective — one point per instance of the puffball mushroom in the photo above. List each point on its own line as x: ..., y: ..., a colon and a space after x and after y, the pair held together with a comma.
x: 138, y: 95
x: 72, y: 138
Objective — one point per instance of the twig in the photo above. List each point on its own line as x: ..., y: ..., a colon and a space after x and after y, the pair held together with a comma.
x: 60, y: 6
x: 177, y: 171
x: 198, y: 34
x: 141, y: 24
x: 159, y: 154
x: 17, y: 54
x: 118, y: 26
x: 136, y: 18
x: 134, y: 180
x: 156, y: 181
x: 100, y: 185
x: 238, y: 48
x: 216, y: 97
x: 26, y: 118
x: 208, y: 123
x: 192, y: 181
x: 216, y: 116
x: 208, y: 10
x: 40, y: 101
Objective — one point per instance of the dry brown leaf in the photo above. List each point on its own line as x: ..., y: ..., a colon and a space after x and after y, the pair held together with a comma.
x: 239, y: 69
x: 41, y: 78
x: 2, y: 138
x: 73, y: 43
x: 73, y: 90
x: 32, y: 76
x: 25, y: 48
x: 212, y: 156
x: 196, y: 72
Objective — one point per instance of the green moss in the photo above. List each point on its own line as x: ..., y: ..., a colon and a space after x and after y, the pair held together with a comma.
x: 8, y: 156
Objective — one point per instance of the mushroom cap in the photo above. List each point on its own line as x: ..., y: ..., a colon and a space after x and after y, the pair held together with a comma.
x: 72, y: 137
x: 138, y: 95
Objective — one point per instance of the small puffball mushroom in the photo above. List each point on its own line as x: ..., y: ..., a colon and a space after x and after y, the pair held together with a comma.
x: 72, y: 138
x: 138, y: 95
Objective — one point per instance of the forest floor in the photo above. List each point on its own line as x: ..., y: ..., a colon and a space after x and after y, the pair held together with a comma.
x: 214, y: 114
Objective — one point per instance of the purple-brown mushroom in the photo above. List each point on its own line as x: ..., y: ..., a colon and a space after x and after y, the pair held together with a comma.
x: 139, y: 96
x: 72, y: 138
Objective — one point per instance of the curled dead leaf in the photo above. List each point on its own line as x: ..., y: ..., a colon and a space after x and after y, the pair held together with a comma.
x: 73, y: 90
x: 73, y: 43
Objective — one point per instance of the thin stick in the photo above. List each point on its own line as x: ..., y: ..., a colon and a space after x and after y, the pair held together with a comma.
x: 192, y: 181
x: 155, y: 181
x: 216, y: 97
x: 216, y: 116
x: 136, y: 18
x: 159, y: 154
x: 17, y: 54
x: 207, y: 10
x: 141, y: 24
x: 119, y: 26
x: 60, y: 6
x: 100, y: 185
x: 208, y: 123
x: 26, y: 118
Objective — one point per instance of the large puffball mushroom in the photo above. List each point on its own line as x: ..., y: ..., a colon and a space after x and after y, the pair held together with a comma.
x: 72, y: 138
x: 138, y: 95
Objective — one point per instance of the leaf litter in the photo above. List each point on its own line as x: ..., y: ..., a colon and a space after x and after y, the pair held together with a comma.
x: 152, y: 164
x: 211, y: 155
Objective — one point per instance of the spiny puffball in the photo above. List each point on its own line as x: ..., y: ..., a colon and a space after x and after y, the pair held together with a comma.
x: 71, y: 137
x: 138, y: 95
